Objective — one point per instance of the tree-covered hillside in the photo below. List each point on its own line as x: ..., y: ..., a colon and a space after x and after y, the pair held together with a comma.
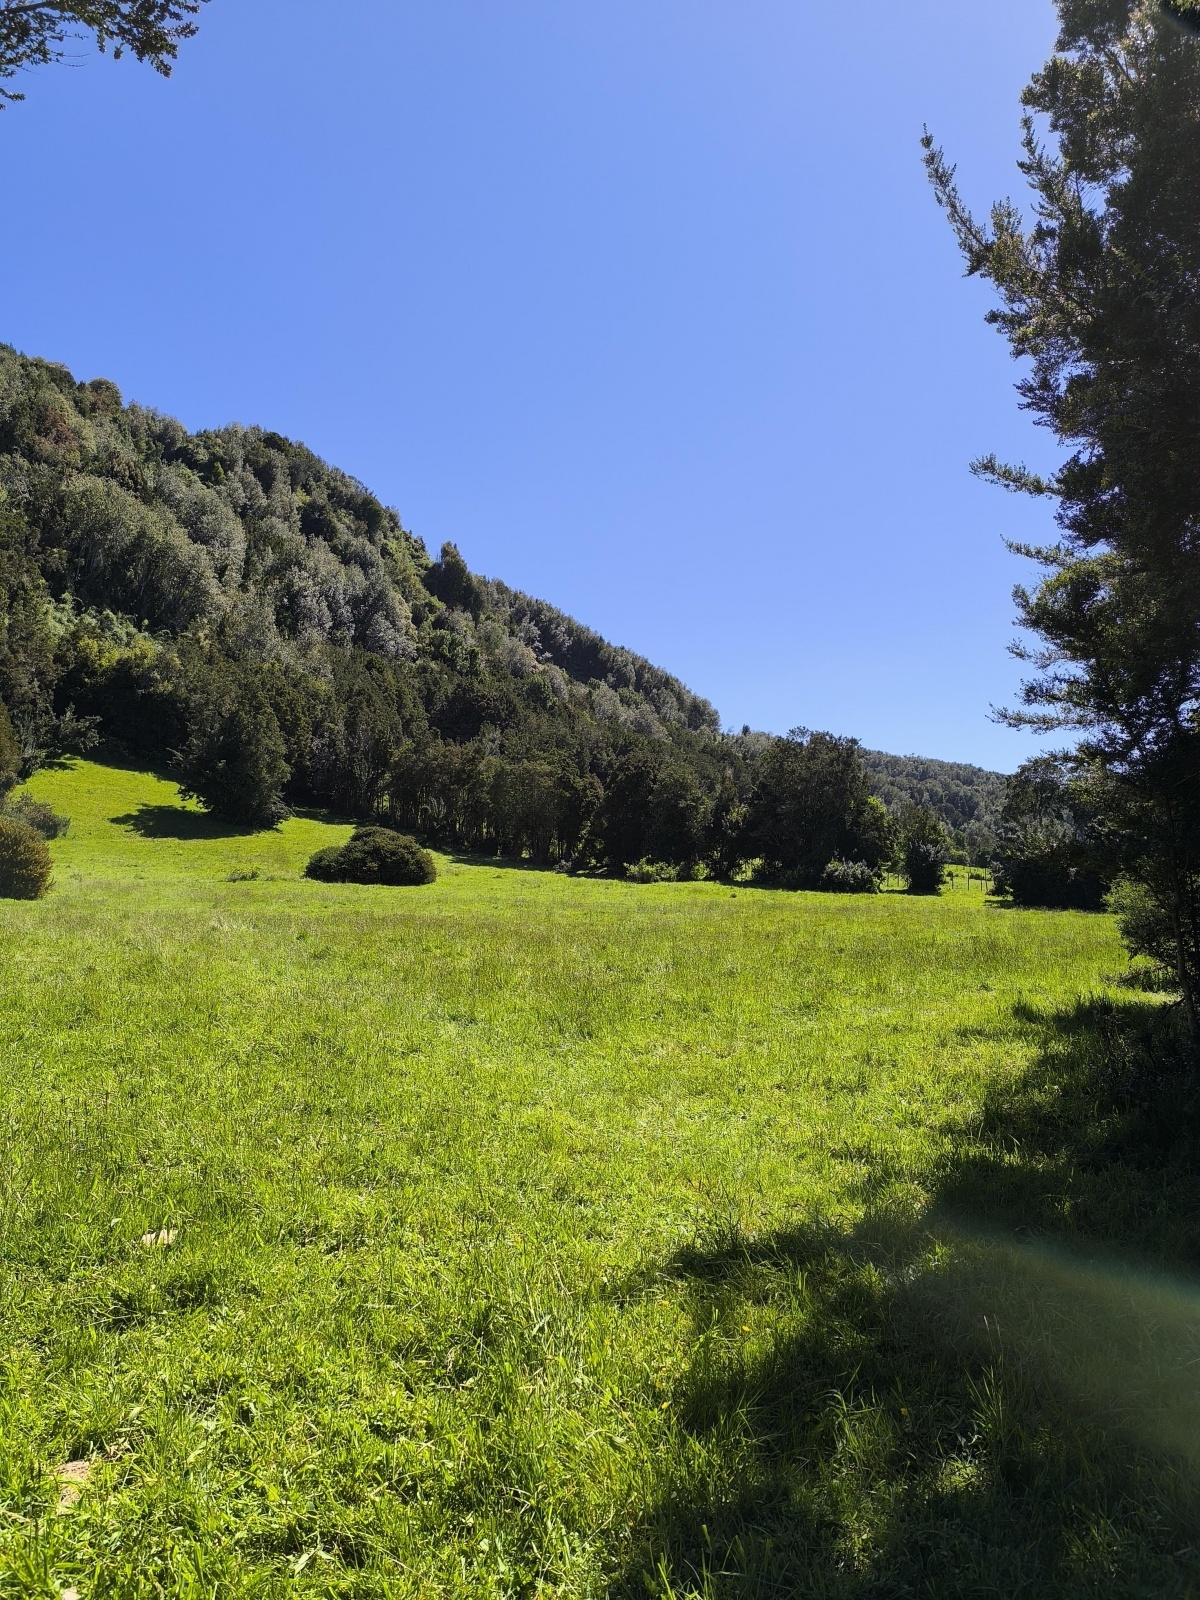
x: 968, y: 799
x: 228, y: 606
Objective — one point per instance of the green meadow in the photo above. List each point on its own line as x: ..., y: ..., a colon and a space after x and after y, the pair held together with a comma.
x: 536, y: 1235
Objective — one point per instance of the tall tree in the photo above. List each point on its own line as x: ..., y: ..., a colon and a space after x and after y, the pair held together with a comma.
x: 34, y: 33
x: 811, y: 804
x: 1100, y: 292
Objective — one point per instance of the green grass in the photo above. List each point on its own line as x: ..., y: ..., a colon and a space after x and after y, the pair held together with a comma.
x: 537, y: 1235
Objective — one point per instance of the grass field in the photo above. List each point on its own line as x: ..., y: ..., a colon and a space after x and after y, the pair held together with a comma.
x: 531, y: 1235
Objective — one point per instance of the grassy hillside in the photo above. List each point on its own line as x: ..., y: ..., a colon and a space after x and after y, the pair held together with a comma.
x: 528, y: 1234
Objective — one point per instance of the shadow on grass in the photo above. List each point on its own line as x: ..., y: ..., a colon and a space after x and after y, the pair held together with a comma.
x: 975, y: 1399
x: 1099, y: 1142
x: 467, y: 858
x: 173, y: 822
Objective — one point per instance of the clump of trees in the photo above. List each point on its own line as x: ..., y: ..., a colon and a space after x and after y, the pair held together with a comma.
x: 1098, y: 296
x: 1051, y: 850
x: 967, y: 798
x: 810, y: 804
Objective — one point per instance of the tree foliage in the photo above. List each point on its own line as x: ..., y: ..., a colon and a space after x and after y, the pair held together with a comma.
x: 849, y: 877
x: 1098, y: 294
x: 374, y: 855
x: 10, y: 752
x: 36, y: 33
x: 1051, y: 845
x: 235, y: 759
x: 925, y: 850
x: 25, y: 863
x: 967, y: 798
x: 811, y: 804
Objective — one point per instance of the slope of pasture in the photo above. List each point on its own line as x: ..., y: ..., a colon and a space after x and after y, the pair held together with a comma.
x: 537, y: 1235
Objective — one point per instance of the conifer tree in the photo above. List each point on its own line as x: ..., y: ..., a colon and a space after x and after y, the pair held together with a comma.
x: 1100, y: 294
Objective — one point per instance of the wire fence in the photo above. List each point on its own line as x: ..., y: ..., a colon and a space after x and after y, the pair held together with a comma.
x: 964, y: 880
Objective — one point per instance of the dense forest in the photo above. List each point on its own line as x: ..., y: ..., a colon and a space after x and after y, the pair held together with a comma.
x: 226, y: 605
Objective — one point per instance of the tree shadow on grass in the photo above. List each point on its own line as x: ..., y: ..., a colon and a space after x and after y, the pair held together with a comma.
x: 1097, y: 1143
x: 174, y: 822
x: 977, y: 1399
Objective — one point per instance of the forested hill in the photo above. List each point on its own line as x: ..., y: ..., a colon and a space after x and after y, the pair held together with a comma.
x: 243, y: 530
x: 226, y: 605
x: 967, y: 798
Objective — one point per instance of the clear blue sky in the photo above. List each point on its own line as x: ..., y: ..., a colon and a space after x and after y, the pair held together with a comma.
x: 644, y: 303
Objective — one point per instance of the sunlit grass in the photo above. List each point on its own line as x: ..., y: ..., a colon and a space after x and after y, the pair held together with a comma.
x: 543, y: 1235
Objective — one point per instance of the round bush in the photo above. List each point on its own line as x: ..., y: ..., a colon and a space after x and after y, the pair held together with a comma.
x: 377, y: 855
x: 651, y: 872
x: 849, y: 877
x: 324, y: 865
x: 25, y: 863
x: 374, y: 855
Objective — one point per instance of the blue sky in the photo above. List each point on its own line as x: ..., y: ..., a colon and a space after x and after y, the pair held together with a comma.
x: 644, y: 303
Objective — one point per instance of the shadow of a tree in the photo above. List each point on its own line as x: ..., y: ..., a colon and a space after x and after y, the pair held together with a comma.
x: 1098, y: 1142
x: 973, y: 1400
x: 175, y: 822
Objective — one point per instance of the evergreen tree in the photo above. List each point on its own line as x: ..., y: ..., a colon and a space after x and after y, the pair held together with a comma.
x: 810, y: 805
x: 1050, y: 847
x: 235, y: 759
x: 1101, y: 295
x: 926, y: 850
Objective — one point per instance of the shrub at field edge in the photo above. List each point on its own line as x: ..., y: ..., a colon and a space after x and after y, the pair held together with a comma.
x: 25, y: 862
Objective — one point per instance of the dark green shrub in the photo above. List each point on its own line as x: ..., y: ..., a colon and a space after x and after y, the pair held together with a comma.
x: 374, y: 855
x: 924, y: 867
x: 36, y: 814
x: 25, y: 863
x: 377, y: 855
x: 651, y: 872
x: 849, y: 877
x: 324, y: 865
x: 1041, y: 882
x: 1049, y: 839
x: 926, y: 846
